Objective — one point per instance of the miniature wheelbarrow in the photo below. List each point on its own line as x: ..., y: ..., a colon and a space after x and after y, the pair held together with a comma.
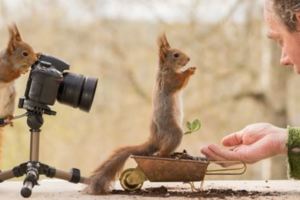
x: 158, y: 169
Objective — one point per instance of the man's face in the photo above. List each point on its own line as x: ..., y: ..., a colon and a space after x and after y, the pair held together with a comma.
x: 288, y: 41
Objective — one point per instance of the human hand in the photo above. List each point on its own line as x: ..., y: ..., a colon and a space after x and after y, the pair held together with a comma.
x: 251, y: 144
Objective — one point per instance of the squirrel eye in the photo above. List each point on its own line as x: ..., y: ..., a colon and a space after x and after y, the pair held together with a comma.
x: 25, y: 53
x: 176, y: 55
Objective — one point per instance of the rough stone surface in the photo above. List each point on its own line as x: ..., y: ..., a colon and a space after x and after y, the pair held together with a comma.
x: 61, y: 190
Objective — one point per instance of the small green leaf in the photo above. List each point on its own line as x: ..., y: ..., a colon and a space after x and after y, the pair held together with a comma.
x: 189, y: 125
x: 196, y: 125
x: 193, y: 126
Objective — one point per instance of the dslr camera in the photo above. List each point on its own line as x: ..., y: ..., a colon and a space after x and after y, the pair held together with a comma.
x: 49, y: 81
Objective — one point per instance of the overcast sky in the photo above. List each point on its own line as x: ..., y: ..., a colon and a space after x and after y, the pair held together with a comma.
x: 167, y: 10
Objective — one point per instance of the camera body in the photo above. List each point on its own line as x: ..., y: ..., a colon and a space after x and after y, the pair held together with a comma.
x: 49, y: 81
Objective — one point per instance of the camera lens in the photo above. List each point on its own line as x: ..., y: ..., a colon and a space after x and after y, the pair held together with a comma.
x: 77, y: 91
x: 88, y: 93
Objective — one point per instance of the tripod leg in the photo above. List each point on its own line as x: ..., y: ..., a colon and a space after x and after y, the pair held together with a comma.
x: 32, y: 176
x: 73, y: 176
x: 27, y: 189
x: 33, y: 166
x: 15, y: 172
x: 5, y: 175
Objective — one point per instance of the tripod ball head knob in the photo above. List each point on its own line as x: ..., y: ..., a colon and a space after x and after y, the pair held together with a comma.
x: 35, y: 120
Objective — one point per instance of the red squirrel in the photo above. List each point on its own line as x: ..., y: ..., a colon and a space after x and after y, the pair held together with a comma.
x: 15, y: 60
x: 165, y: 131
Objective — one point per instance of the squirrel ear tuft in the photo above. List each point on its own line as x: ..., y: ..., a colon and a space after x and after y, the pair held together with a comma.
x: 163, y: 42
x: 16, y: 32
x: 11, y: 46
x: 14, y: 37
x: 163, y: 46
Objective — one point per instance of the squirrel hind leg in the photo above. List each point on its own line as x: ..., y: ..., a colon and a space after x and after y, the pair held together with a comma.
x: 169, y: 144
x: 166, y: 150
x: 163, y: 153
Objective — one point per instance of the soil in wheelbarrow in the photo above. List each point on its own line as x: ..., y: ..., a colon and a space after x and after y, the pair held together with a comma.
x: 182, y: 156
x: 185, y: 156
x: 210, y: 193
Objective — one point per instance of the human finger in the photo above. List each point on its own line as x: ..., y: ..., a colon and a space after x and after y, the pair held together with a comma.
x: 233, y: 139
x: 212, y: 156
x: 225, y: 153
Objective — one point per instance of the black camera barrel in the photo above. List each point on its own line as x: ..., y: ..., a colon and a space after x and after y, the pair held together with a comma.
x: 77, y: 91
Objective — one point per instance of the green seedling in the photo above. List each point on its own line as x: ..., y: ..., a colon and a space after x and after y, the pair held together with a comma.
x: 193, y: 126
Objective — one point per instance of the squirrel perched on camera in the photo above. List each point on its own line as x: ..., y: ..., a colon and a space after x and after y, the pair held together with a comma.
x: 14, y: 61
x: 165, y: 130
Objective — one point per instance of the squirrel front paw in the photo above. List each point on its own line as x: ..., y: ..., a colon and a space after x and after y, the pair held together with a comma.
x: 9, y: 120
x: 24, y: 70
x: 191, y: 70
x: 6, y: 121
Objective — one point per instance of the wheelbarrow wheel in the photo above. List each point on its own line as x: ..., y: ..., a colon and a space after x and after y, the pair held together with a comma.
x: 131, y: 179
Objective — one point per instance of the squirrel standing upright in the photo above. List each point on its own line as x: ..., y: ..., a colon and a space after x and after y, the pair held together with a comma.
x: 165, y: 131
x: 14, y: 61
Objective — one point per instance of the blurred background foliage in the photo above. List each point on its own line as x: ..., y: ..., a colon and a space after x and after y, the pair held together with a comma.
x: 238, y: 80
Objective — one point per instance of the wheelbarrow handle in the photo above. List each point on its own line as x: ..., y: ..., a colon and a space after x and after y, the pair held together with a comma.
x: 227, y: 171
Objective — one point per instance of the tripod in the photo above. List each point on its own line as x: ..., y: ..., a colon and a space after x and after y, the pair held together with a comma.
x: 33, y: 168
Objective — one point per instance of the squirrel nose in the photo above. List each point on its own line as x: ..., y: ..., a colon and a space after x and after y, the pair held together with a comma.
x: 188, y: 59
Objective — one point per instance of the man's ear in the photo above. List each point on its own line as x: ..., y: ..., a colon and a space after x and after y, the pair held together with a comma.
x: 297, y: 15
x: 163, y: 45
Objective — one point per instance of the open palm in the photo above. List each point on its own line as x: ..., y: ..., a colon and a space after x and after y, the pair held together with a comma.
x: 251, y: 144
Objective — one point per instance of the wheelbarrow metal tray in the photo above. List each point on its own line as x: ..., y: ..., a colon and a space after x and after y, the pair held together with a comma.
x: 158, y: 169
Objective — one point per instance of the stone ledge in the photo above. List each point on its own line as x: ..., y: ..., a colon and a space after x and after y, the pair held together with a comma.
x: 61, y: 190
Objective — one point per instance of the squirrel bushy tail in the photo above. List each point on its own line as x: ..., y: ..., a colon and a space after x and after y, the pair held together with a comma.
x: 101, y: 179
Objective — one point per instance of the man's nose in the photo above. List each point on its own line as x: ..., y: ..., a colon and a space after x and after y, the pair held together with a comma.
x: 285, y: 60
